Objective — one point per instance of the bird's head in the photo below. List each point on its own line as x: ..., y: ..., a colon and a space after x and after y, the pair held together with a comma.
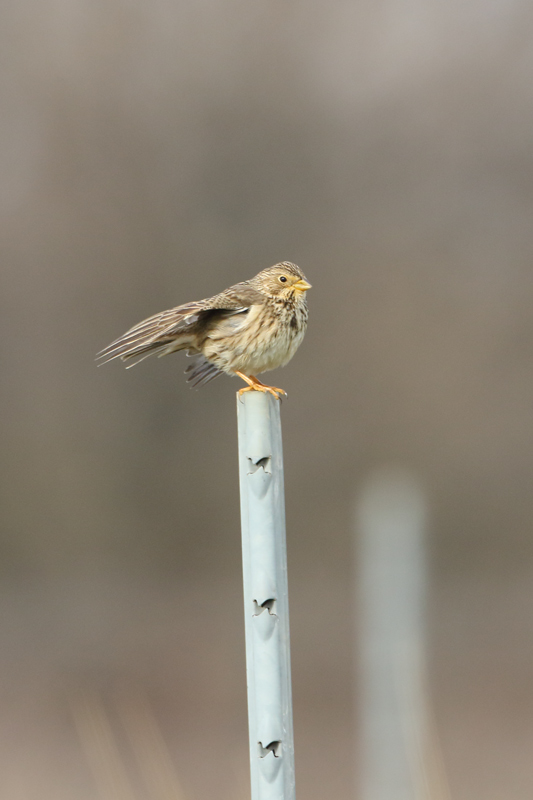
x: 283, y: 281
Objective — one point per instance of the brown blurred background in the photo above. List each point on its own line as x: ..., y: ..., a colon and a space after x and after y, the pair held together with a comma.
x: 155, y: 153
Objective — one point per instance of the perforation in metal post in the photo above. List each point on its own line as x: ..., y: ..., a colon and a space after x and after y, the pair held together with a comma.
x: 264, y: 463
x: 269, y: 604
x: 273, y: 747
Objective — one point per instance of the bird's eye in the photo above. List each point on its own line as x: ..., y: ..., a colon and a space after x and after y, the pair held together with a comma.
x: 282, y: 279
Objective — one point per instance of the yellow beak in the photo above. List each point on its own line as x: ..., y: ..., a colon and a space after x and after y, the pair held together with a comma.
x: 301, y: 285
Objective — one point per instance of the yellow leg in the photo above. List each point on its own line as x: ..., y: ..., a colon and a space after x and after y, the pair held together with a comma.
x: 255, y: 385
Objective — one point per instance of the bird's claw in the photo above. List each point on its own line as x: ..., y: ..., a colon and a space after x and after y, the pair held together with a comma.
x: 257, y: 387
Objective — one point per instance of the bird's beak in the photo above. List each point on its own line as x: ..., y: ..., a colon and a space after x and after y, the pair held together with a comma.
x: 301, y: 285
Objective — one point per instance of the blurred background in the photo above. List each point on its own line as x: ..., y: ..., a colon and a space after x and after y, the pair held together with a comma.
x: 153, y: 154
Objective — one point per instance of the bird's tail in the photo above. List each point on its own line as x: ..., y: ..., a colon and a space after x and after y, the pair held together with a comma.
x: 201, y: 371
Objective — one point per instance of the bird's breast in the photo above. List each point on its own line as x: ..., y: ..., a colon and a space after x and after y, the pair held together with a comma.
x: 263, y: 339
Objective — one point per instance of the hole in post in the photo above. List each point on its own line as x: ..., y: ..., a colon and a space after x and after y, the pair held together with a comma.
x: 269, y: 604
x: 273, y: 747
x: 264, y: 463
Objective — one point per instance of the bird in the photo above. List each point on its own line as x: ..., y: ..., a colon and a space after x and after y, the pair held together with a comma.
x: 252, y: 327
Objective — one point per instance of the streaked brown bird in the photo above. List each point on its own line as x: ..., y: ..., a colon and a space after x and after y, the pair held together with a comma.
x: 252, y: 327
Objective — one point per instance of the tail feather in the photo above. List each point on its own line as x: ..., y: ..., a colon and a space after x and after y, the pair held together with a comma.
x: 201, y: 371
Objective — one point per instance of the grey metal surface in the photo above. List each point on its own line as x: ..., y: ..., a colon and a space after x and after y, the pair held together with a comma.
x: 266, y: 606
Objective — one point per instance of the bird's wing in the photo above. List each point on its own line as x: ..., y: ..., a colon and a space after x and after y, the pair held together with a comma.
x: 179, y: 328
x: 235, y: 299
x: 152, y: 333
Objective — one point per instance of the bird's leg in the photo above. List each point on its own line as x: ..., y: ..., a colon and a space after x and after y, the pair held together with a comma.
x: 256, y: 386
x: 250, y: 383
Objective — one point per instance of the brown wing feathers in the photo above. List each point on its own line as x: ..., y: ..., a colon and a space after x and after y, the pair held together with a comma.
x: 178, y: 328
x: 154, y: 333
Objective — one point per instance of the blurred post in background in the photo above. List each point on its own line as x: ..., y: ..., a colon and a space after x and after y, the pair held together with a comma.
x: 394, y: 761
x: 266, y: 603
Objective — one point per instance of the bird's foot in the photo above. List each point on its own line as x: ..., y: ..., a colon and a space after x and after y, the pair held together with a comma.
x: 275, y: 389
x: 257, y: 388
x: 255, y: 385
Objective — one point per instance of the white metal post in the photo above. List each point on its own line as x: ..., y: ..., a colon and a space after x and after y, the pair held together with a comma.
x: 266, y: 604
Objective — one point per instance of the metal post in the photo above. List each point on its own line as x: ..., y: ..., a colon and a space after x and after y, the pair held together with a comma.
x: 266, y: 603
